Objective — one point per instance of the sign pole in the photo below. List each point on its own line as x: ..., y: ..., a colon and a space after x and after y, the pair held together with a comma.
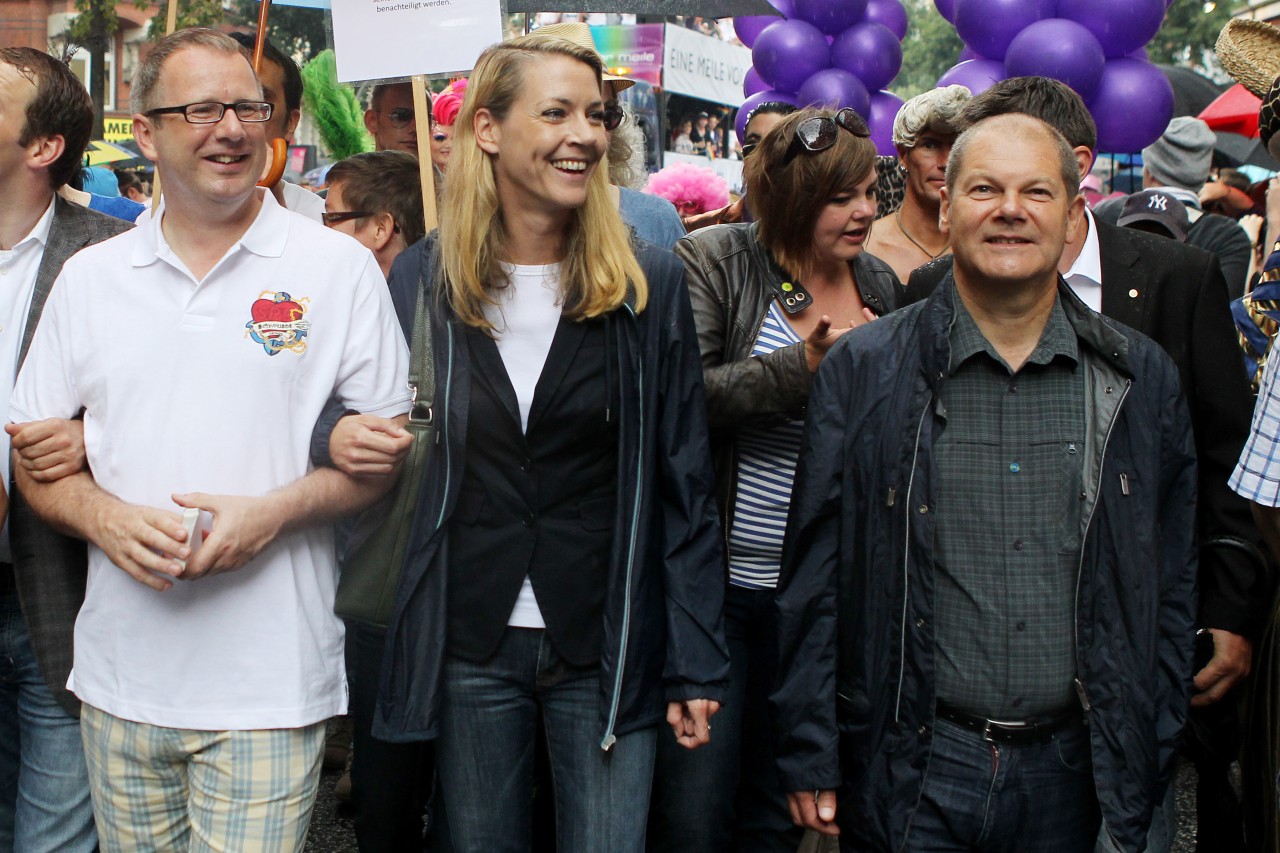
x: 422, y: 117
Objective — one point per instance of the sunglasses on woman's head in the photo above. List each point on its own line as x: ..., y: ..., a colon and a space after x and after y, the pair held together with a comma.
x: 819, y: 133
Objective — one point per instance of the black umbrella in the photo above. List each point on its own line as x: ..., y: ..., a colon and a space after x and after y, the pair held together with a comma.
x: 1234, y: 150
x: 706, y: 8
x: 1192, y: 92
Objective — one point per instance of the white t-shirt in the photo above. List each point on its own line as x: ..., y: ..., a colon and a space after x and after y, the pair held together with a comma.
x: 214, y: 386
x: 524, y: 324
x: 19, y: 268
x: 302, y: 200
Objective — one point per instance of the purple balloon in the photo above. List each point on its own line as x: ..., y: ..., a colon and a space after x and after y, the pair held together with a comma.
x: 988, y: 26
x: 786, y: 7
x: 1057, y: 48
x: 884, y: 109
x: 976, y: 75
x: 969, y: 53
x: 1132, y: 107
x: 740, y: 122
x: 1121, y: 26
x: 947, y: 9
x: 870, y: 52
x: 749, y: 27
x: 787, y: 54
x: 835, y: 88
x: 1140, y: 53
x: 830, y: 16
x: 752, y: 83
x: 891, y: 13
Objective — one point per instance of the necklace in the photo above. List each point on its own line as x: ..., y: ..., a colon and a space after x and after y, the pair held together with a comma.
x: 897, y: 217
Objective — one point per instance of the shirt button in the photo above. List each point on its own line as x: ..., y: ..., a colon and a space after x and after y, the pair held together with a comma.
x: 1015, y: 467
x: 923, y: 509
x: 1021, y: 626
x: 1013, y: 388
x: 1017, y: 544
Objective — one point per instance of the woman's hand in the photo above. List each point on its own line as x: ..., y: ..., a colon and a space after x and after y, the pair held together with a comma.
x: 817, y: 342
x: 691, y: 721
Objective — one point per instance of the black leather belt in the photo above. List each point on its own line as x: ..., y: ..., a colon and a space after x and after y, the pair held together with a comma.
x: 8, y: 583
x: 1012, y: 732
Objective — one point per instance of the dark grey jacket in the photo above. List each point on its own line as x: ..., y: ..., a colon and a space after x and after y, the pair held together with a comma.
x: 51, y: 568
x: 854, y: 708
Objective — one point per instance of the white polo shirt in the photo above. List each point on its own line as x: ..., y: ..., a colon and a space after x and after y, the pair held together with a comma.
x: 214, y: 387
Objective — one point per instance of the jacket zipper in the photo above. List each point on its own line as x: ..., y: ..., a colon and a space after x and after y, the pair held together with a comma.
x: 906, y: 564
x: 609, y: 738
x: 444, y: 426
x: 1081, y: 689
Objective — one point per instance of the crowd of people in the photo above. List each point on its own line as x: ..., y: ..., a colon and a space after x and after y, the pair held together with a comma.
x: 940, y: 494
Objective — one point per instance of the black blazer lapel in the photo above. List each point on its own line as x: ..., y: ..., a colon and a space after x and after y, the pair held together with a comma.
x: 486, y: 363
x: 564, y: 349
x: 1124, y: 280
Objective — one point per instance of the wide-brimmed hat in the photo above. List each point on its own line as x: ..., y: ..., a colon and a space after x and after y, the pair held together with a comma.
x: 1250, y: 52
x: 580, y: 34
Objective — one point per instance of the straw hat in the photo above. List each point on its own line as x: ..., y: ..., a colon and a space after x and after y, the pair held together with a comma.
x: 580, y: 34
x: 1250, y: 51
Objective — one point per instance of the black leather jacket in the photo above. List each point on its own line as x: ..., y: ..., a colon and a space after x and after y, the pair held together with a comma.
x: 732, y: 278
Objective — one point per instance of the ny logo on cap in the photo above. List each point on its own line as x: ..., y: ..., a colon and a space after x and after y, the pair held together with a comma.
x: 1157, y: 202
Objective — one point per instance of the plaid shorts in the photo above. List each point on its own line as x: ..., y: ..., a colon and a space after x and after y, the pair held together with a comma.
x: 159, y: 789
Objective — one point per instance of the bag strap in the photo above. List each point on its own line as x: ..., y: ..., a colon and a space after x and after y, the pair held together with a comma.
x: 422, y: 369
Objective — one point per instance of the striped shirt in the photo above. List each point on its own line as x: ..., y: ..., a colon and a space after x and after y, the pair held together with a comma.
x: 1257, y: 475
x: 767, y: 458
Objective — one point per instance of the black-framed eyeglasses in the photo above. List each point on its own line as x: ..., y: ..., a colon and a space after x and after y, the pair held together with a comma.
x: 339, y: 216
x: 211, y: 112
x: 400, y: 117
x: 819, y: 133
x: 748, y: 148
x: 613, y: 117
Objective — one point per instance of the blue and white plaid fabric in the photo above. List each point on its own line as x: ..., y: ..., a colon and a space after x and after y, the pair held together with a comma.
x: 1257, y: 476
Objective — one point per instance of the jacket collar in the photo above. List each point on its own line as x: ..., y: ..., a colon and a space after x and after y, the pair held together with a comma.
x: 1095, y: 334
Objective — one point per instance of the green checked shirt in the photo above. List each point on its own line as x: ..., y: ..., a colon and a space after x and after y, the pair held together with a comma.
x: 1006, y: 544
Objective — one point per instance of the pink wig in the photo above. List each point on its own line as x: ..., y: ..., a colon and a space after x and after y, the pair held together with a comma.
x: 446, y: 105
x: 692, y: 189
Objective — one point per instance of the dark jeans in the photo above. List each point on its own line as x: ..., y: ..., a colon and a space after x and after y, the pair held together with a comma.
x: 390, y: 782
x: 486, y: 747
x: 725, y: 796
x: 981, y: 797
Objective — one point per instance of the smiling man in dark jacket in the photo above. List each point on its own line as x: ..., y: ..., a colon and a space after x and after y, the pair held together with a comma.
x: 988, y: 591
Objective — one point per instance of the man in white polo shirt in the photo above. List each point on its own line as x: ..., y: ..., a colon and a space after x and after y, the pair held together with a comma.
x: 202, y: 347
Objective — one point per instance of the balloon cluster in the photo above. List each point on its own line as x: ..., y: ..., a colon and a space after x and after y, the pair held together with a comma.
x: 832, y: 53
x: 1097, y: 47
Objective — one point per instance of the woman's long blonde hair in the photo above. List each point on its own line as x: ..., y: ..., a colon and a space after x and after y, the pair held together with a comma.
x: 599, y: 266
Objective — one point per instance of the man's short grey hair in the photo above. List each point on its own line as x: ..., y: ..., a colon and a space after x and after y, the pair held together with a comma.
x: 1068, y: 167
x: 936, y: 111
x: 148, y: 76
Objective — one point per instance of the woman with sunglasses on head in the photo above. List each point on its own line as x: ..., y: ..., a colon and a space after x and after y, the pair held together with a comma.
x: 769, y: 300
x: 564, y: 567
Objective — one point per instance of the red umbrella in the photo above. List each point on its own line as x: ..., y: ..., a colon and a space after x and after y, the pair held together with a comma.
x: 1234, y: 111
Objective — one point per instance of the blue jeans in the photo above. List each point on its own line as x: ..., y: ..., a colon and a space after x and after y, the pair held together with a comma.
x: 726, y: 796
x: 980, y: 797
x: 484, y: 756
x: 44, y: 786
